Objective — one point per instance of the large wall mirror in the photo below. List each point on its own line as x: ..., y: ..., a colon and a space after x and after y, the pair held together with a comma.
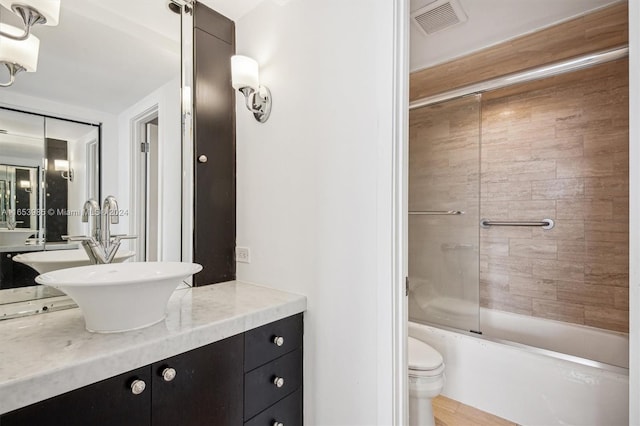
x: 103, y: 114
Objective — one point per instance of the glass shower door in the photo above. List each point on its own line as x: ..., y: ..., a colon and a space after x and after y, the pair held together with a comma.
x: 444, y: 188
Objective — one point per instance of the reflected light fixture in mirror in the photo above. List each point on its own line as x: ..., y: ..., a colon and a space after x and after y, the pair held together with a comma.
x: 32, y: 12
x: 245, y: 78
x: 63, y: 167
x: 26, y: 185
x: 16, y: 55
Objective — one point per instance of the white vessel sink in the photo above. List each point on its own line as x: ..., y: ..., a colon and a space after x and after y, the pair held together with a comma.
x: 15, y: 237
x: 52, y: 260
x: 123, y: 296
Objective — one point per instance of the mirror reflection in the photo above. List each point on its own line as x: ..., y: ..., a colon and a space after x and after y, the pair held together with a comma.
x: 99, y: 115
x: 47, y: 167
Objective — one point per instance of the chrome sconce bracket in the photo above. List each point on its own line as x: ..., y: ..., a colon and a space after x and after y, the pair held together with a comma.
x: 30, y: 17
x: 258, y: 102
x: 14, y: 69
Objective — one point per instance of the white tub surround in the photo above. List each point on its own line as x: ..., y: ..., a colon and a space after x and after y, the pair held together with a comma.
x: 47, y: 355
x: 527, y: 387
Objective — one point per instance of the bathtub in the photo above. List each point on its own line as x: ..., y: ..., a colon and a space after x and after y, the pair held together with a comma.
x: 533, y: 386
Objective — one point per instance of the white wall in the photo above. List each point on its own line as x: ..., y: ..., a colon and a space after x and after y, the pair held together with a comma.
x: 314, y: 192
x: 167, y: 99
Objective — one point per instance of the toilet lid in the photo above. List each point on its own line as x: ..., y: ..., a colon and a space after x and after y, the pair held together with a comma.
x: 423, y: 356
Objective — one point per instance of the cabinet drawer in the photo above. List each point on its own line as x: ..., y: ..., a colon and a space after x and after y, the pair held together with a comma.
x: 288, y: 412
x: 260, y: 390
x: 260, y: 346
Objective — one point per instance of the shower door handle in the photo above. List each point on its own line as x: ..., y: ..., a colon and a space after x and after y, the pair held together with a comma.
x: 437, y: 212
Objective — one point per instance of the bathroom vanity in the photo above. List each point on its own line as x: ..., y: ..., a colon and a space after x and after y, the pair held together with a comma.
x: 229, y: 354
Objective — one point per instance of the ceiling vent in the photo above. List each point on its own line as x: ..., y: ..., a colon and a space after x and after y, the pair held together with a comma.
x: 438, y: 16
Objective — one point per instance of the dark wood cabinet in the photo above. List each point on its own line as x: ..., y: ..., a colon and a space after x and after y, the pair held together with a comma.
x: 106, y: 403
x: 214, y: 132
x: 15, y: 274
x: 210, y: 385
x: 208, y: 382
x: 273, y: 373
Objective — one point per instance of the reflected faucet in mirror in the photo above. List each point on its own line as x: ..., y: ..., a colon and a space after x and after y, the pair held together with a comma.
x: 101, y: 246
x: 11, y: 220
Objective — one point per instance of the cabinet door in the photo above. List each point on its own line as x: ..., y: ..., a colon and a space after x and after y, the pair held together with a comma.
x: 106, y: 403
x: 206, y: 389
x: 214, y: 131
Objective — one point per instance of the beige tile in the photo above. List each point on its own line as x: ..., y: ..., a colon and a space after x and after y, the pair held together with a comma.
x: 506, y: 191
x: 533, y: 287
x: 614, y: 253
x: 506, y: 302
x: 510, y: 265
x: 585, y: 294
x: 621, y: 298
x: 518, y: 170
x: 607, y: 231
x: 563, y: 230
x: 494, y: 210
x: 533, y: 248
x: 606, y: 187
x: 557, y: 189
x: 585, y: 167
x: 610, y: 274
x: 532, y: 210
x: 598, y: 210
x: 608, y: 318
x: 572, y: 251
x: 553, y: 148
x: 494, y: 246
x: 559, y: 311
x: 570, y: 210
x: 557, y: 270
x: 496, y: 279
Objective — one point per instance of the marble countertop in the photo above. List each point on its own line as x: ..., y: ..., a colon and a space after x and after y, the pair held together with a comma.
x: 46, y: 355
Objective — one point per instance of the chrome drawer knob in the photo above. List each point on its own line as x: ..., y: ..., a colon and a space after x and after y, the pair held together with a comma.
x: 202, y: 159
x: 278, y: 381
x: 276, y: 423
x: 168, y: 374
x: 138, y: 386
x: 278, y: 340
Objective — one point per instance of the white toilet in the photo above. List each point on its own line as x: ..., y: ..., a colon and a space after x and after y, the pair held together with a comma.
x: 426, y: 379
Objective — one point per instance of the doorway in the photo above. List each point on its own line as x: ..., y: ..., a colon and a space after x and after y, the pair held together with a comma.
x: 145, y: 190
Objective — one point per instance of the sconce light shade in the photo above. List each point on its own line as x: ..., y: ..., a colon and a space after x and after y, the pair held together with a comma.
x: 244, y: 72
x: 63, y: 167
x: 244, y: 78
x: 60, y: 165
x: 49, y: 10
x: 23, y: 53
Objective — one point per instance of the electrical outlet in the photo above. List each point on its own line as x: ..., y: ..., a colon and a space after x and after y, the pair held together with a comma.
x: 243, y: 255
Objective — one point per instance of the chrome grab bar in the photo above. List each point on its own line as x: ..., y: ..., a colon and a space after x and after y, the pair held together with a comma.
x: 544, y: 223
x: 437, y: 212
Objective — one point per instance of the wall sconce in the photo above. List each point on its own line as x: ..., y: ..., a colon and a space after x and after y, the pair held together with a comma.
x: 63, y: 167
x: 244, y: 78
x: 16, y: 55
x: 32, y: 12
x: 26, y: 185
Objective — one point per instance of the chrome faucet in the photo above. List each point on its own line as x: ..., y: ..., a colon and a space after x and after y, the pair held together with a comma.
x: 91, y: 215
x: 100, y: 245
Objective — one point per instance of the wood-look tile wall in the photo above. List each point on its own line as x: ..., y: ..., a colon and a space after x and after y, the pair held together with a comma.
x: 600, y: 30
x: 558, y: 149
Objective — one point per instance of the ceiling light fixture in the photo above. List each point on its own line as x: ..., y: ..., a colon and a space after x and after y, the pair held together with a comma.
x: 32, y: 12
